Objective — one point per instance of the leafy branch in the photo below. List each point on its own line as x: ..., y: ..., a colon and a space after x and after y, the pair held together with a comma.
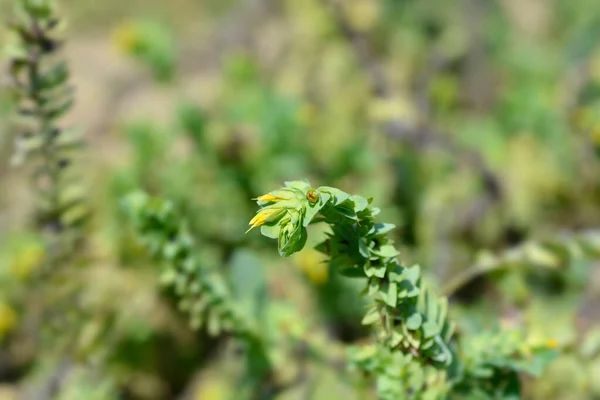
x: 203, y: 295
x: 39, y: 83
x: 416, y: 354
x: 408, y: 316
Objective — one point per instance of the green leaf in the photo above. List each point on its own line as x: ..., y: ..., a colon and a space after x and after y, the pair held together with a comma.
x: 380, y: 271
x: 373, y: 287
x: 337, y: 195
x: 369, y: 270
x: 55, y: 76
x: 412, y: 274
x: 414, y: 321
x: 371, y: 317
x: 57, y: 111
x: 360, y: 203
x: 352, y: 272
x: 392, y: 296
x: 248, y: 283
x: 395, y: 339
x: 430, y: 329
x: 311, y: 211
x: 381, y: 229
x: 324, y: 198
x: 192, y: 120
x: 346, y: 212
x: 386, y: 251
x: 304, y: 186
x: 270, y: 231
x: 363, y: 248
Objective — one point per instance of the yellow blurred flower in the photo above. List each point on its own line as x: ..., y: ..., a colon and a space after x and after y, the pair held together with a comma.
x: 212, y: 389
x: 28, y: 258
x: 362, y: 15
x: 385, y: 110
x: 8, y: 392
x: 595, y: 134
x: 307, y: 114
x: 582, y: 117
x: 8, y: 318
x: 314, y: 265
x: 126, y: 37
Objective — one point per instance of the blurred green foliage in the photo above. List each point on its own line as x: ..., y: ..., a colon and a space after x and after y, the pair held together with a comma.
x: 475, y: 126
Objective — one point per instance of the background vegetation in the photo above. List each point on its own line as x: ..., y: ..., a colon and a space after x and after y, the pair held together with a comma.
x: 474, y: 125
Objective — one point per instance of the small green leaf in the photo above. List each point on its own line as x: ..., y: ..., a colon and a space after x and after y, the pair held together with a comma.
x: 369, y: 270
x: 430, y: 329
x: 414, y: 321
x: 300, y: 185
x: 380, y: 271
x: 346, y: 212
x: 371, y: 317
x: 337, y: 195
x: 412, y: 274
x: 387, y: 251
x: 352, y: 272
x: 395, y: 339
x: 373, y: 287
x: 392, y: 296
x: 363, y: 248
x: 360, y: 203
x: 381, y: 229
x: 270, y: 231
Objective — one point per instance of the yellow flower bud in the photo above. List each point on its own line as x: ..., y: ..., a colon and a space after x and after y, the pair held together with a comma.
x: 8, y: 318
x: 125, y: 37
x: 265, y: 215
x: 269, y: 198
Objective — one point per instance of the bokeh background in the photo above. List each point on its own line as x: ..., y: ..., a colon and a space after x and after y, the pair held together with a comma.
x: 474, y: 124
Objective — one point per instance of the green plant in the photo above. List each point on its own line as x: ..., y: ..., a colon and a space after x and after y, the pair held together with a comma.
x: 43, y: 95
x: 208, y: 299
x: 408, y: 318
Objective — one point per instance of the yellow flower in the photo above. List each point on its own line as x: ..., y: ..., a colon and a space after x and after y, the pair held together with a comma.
x: 265, y: 215
x: 269, y: 198
x: 552, y: 343
x: 314, y: 265
x: 27, y: 259
x: 126, y: 37
x: 8, y: 318
x: 595, y: 133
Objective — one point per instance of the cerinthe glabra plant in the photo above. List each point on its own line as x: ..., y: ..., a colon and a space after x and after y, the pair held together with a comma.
x: 407, y: 315
x: 417, y: 356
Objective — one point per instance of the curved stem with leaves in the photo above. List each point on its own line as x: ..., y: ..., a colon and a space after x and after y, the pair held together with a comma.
x: 407, y: 315
x: 416, y: 354
x: 43, y: 95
